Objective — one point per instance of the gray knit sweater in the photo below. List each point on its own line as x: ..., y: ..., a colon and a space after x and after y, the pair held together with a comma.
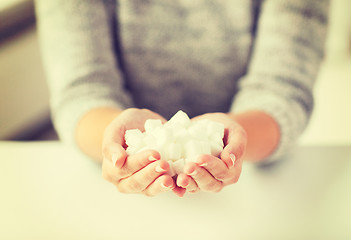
x: 196, y: 55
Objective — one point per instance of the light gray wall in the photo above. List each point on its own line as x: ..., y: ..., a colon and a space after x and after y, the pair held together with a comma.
x: 24, y: 99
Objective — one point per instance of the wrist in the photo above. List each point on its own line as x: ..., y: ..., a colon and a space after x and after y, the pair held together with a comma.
x: 90, y: 130
x: 262, y: 131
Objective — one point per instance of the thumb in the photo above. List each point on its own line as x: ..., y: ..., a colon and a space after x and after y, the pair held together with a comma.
x: 112, y: 147
x: 235, y: 144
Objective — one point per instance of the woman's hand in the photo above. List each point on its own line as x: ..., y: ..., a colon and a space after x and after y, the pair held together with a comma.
x: 143, y: 172
x: 211, y: 173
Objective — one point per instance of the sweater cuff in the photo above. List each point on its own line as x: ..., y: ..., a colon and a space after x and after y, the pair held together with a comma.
x: 289, y: 115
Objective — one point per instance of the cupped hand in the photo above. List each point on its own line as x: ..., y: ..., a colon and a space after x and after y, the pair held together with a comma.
x: 210, y: 173
x: 143, y: 172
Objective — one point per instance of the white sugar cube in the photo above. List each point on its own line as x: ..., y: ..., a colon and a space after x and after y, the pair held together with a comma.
x: 195, y: 148
x: 171, y: 170
x: 203, y: 123
x: 205, y: 147
x: 132, y: 150
x: 197, y: 131
x: 152, y: 124
x: 190, y: 159
x: 216, y: 138
x: 142, y: 149
x: 215, y: 128
x: 163, y: 136
x: 216, y: 149
x: 178, y: 166
x: 178, y: 141
x: 182, y: 136
x: 191, y: 149
x: 149, y: 140
x: 174, y: 151
x: 180, y: 119
x: 133, y: 137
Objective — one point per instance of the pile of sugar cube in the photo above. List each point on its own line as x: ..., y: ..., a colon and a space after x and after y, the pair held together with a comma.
x: 178, y: 141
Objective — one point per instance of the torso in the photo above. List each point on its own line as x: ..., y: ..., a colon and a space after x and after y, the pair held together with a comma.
x: 185, y: 55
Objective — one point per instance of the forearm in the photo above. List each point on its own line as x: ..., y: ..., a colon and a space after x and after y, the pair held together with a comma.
x: 262, y: 131
x: 81, y: 68
x: 90, y: 130
x: 283, y: 67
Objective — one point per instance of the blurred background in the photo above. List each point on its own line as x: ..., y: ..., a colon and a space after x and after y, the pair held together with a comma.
x: 24, y: 97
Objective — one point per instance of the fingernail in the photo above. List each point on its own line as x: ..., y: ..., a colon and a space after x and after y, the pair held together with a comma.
x: 233, y: 159
x: 159, y: 169
x: 164, y: 186
x: 152, y: 158
x: 192, y: 173
x: 205, y: 164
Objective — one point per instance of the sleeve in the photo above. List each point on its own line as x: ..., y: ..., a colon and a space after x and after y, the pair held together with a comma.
x: 285, y: 60
x: 77, y: 40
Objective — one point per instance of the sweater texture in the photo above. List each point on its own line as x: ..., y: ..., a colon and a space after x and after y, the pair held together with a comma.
x: 199, y: 56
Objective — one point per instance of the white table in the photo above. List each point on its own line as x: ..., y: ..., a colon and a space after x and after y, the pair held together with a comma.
x: 51, y: 192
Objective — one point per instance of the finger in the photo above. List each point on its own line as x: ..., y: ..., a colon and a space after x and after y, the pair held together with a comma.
x: 109, y: 172
x: 162, y: 184
x: 215, y: 166
x: 187, y: 182
x: 204, y: 180
x: 234, y: 173
x: 138, y: 161
x: 235, y: 144
x: 112, y: 146
x: 133, y: 164
x: 140, y: 180
x: 179, y: 191
x: 115, y: 153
